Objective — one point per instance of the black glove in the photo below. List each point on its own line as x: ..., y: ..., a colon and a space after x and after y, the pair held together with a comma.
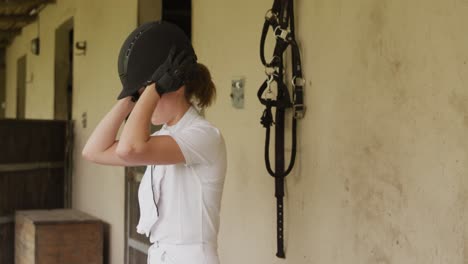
x: 171, y: 74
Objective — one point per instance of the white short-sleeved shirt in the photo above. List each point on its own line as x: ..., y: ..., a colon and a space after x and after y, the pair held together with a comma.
x: 188, y: 196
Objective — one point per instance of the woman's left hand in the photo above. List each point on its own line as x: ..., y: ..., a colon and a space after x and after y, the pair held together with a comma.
x: 170, y: 75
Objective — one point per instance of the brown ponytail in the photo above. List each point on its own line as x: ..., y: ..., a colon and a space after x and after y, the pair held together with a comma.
x: 199, y: 87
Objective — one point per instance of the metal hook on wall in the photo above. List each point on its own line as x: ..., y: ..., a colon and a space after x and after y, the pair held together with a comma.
x: 81, y: 45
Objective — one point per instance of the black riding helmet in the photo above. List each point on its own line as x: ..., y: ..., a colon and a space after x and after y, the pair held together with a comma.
x: 145, y: 49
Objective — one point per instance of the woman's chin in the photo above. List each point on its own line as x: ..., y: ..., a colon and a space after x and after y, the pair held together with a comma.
x: 157, y: 122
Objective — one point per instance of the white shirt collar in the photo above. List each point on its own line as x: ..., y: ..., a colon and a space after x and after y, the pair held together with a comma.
x: 188, y: 116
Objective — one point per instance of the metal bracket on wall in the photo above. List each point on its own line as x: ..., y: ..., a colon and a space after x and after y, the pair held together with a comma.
x: 237, y: 92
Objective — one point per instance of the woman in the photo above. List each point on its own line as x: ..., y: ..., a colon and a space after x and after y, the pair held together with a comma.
x: 180, y: 193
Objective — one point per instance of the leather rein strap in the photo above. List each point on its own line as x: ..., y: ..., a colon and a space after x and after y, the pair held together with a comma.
x: 281, y: 19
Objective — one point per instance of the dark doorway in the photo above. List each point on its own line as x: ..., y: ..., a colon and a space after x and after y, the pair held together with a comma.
x: 21, y: 87
x: 63, y: 71
x: 179, y: 12
x: 2, y: 83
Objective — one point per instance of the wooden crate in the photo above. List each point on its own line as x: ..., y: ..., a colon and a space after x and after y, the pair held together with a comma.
x: 57, y: 236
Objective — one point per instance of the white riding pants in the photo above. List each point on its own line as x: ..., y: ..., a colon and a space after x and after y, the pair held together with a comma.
x: 160, y: 253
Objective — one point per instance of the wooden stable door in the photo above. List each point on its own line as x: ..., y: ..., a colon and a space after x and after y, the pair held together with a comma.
x: 35, y: 160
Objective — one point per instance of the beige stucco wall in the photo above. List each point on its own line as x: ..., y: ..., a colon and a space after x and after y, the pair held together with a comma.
x: 383, y: 147
x: 40, y: 69
x: 98, y: 190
